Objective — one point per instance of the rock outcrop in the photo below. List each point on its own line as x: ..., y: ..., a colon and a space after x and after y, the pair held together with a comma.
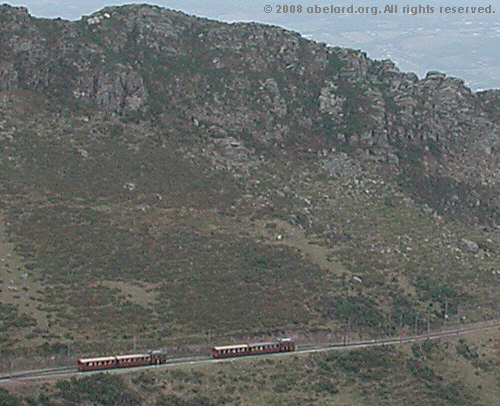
x: 257, y: 83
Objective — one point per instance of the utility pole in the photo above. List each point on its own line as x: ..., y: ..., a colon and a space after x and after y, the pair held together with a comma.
x: 389, y: 325
x: 346, y: 329
x: 345, y: 333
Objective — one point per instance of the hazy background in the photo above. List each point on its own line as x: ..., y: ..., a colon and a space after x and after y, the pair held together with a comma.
x: 463, y: 45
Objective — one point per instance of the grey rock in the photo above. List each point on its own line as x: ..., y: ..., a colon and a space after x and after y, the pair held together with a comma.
x: 469, y: 245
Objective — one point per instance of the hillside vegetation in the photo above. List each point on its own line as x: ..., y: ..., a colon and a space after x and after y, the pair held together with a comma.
x: 170, y: 181
x: 464, y: 372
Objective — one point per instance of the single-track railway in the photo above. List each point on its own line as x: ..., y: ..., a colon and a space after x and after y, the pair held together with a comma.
x: 65, y: 372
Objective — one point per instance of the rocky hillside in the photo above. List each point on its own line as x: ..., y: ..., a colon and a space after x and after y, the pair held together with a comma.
x: 162, y: 169
x: 259, y: 84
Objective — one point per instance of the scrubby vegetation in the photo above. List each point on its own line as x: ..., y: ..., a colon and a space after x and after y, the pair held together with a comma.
x: 172, y: 233
x: 168, y: 181
x: 378, y: 376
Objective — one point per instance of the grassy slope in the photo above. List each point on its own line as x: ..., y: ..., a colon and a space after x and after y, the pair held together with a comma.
x: 129, y: 230
x: 454, y: 373
x: 118, y: 225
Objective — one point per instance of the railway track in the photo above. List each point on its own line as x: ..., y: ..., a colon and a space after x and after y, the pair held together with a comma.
x: 41, y: 373
x: 64, y: 372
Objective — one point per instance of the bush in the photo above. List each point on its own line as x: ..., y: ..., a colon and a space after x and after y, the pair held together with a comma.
x: 326, y: 386
x: 465, y: 351
x: 6, y: 399
x: 98, y: 390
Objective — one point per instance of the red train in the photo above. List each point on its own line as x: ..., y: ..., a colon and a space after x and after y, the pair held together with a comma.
x: 122, y: 361
x: 237, y: 350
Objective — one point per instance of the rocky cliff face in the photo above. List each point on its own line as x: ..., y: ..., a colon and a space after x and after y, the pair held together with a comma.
x: 256, y: 83
x: 225, y: 165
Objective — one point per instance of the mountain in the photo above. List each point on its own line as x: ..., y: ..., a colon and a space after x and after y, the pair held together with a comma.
x: 171, y: 181
x: 168, y: 177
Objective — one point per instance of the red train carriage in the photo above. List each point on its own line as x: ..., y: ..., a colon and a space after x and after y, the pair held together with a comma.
x: 230, y: 351
x: 135, y: 360
x: 88, y: 364
x: 122, y: 361
x: 253, y: 349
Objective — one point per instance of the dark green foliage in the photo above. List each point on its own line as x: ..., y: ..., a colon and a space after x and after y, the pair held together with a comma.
x: 453, y: 392
x: 465, y: 350
x: 99, y: 390
x: 359, y: 310
x: 170, y: 400
x: 199, y: 400
x: 11, y: 317
x: 439, y: 291
x: 120, y: 215
x: 7, y: 399
x: 326, y: 386
x: 403, y: 310
x: 356, y: 109
x: 50, y: 349
x: 447, y: 196
x: 364, y: 361
x: 53, y: 167
x: 334, y: 64
x: 424, y: 373
x: 424, y: 349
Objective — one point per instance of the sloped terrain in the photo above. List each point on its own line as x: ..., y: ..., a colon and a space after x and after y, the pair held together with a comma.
x: 166, y: 177
x: 464, y: 372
